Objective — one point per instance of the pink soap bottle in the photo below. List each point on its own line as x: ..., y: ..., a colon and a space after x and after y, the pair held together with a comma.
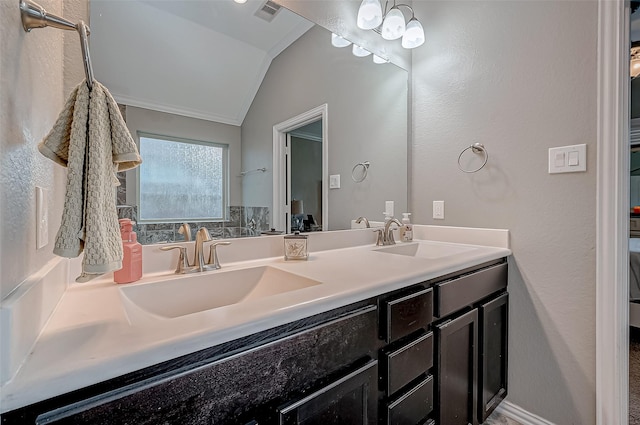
x: 132, y: 260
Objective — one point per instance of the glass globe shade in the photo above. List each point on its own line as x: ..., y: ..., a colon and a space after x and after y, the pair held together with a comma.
x: 393, y: 26
x: 414, y: 35
x: 369, y: 14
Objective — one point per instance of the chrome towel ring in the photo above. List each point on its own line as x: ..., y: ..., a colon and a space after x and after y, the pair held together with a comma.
x: 476, y: 148
x: 363, y: 174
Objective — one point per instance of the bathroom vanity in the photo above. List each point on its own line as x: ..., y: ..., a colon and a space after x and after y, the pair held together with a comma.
x: 429, y: 346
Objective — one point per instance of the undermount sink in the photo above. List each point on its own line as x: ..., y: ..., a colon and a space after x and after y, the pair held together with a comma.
x: 428, y: 250
x: 205, y: 291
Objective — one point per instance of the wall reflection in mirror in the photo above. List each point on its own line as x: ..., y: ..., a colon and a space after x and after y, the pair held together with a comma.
x: 222, y: 73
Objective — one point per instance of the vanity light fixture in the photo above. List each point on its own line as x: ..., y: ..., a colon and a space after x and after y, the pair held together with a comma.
x: 240, y: 1
x: 393, y: 22
x: 338, y: 41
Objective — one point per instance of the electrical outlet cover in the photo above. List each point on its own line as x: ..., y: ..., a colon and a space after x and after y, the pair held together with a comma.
x: 438, y: 210
x: 334, y: 181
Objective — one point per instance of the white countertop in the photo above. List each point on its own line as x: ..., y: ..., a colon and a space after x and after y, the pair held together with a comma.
x: 90, y: 338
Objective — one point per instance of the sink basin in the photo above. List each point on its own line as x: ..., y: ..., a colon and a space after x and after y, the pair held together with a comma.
x: 429, y: 250
x: 206, y: 291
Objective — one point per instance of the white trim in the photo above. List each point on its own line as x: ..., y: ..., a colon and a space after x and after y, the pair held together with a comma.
x: 185, y: 112
x: 612, y: 214
x: 306, y: 135
x: 279, y: 167
x: 520, y: 415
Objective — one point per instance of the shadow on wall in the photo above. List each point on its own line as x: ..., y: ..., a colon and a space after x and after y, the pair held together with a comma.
x: 530, y: 324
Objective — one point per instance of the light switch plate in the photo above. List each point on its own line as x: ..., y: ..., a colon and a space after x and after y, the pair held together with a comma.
x: 438, y: 210
x: 42, y: 218
x: 334, y: 181
x: 568, y: 159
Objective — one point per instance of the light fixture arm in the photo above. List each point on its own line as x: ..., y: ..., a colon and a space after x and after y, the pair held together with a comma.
x: 413, y: 15
x: 397, y: 6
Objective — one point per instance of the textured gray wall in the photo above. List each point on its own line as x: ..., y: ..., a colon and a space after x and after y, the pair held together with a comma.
x: 519, y: 77
x: 367, y: 122
x: 34, y: 82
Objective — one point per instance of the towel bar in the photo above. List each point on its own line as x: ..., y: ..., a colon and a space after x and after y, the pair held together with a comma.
x: 34, y: 16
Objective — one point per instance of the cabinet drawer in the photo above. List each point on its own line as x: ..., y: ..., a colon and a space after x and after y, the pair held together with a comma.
x: 458, y: 293
x: 403, y: 365
x: 407, y: 314
x: 348, y: 400
x: 413, y: 406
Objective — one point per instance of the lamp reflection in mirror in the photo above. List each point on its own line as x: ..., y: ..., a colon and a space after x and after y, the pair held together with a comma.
x: 377, y: 59
x: 369, y: 14
x: 359, y: 51
x: 634, y: 67
x: 338, y: 41
x: 393, y: 23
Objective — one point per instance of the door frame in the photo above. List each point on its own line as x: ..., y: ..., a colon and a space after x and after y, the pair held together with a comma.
x: 612, y: 214
x: 280, y: 202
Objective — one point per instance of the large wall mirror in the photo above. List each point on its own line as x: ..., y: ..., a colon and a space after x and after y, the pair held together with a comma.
x: 198, y: 74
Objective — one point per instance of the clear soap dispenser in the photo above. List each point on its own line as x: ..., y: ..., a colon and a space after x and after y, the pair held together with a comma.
x: 406, y: 231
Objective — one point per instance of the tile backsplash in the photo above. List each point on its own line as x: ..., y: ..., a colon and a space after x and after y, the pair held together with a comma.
x: 242, y: 222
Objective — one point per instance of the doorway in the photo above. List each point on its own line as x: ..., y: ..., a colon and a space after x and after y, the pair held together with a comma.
x: 301, y: 172
x: 304, y: 174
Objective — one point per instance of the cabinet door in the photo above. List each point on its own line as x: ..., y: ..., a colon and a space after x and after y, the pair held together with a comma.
x: 351, y: 400
x: 492, y: 376
x: 456, y: 343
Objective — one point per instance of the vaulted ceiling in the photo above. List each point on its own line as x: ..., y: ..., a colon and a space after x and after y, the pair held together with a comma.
x: 205, y: 59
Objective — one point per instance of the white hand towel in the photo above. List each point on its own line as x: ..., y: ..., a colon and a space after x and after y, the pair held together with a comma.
x: 91, y: 139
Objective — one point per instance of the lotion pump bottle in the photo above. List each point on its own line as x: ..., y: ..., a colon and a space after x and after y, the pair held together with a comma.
x: 406, y: 232
x: 132, y: 260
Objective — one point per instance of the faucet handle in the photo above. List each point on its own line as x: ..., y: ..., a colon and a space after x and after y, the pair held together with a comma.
x: 213, y: 255
x: 185, y: 230
x: 183, y: 260
x: 379, y: 236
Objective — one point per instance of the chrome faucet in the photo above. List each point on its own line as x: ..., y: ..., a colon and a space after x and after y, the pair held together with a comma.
x: 361, y: 219
x: 199, y: 264
x: 387, y: 236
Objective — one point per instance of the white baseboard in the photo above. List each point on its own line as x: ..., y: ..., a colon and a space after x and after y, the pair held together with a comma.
x: 517, y: 413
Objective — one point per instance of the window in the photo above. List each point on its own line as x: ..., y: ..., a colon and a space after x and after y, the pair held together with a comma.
x: 181, y: 180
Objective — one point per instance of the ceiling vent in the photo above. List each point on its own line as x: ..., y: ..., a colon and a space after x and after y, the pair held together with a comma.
x: 268, y: 11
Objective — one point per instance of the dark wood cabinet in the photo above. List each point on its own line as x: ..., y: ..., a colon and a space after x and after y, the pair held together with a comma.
x: 493, y: 360
x: 471, y: 344
x: 407, y: 385
x: 456, y: 342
